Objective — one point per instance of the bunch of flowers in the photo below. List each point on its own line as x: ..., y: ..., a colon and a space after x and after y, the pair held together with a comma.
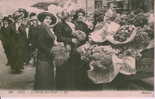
x: 139, y: 20
x: 124, y: 33
x: 141, y: 39
x: 94, y: 52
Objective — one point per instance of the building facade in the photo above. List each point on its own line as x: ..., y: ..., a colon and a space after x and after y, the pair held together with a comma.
x: 146, y: 5
x: 91, y: 5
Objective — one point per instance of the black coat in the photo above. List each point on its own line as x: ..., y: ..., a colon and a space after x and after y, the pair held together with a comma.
x: 63, y: 32
x: 5, y: 37
x: 18, y: 43
x: 44, y: 43
x: 33, y: 32
x: 67, y: 77
x: 82, y: 26
x: 19, y: 37
x: 5, y: 34
x: 44, y: 78
x: 0, y: 34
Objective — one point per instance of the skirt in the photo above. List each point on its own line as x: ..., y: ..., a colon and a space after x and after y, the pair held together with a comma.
x: 45, y: 77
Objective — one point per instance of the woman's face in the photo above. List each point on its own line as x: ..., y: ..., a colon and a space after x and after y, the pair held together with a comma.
x: 69, y: 18
x: 47, y: 20
x: 80, y: 16
x: 34, y: 22
x: 25, y: 21
x: 20, y: 20
x: 5, y: 23
x: 17, y: 13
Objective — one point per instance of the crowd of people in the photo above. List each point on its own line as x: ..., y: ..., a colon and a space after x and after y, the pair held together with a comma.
x: 26, y: 36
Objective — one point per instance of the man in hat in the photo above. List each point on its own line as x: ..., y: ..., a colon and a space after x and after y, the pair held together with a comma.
x: 0, y: 28
x: 6, y: 38
x: 111, y: 12
x: 32, y: 50
x: 19, y: 41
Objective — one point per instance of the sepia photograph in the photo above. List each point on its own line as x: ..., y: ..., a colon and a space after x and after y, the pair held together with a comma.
x: 92, y: 46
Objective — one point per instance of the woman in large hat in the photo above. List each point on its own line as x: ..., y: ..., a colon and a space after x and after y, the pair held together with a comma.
x: 82, y: 80
x: 66, y: 72
x: 45, y: 76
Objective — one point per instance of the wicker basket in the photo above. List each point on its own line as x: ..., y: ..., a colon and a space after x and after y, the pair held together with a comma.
x: 111, y: 39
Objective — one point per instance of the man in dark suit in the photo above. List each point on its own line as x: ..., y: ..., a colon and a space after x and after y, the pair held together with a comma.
x: 33, y: 28
x: 5, y: 37
x: 19, y: 41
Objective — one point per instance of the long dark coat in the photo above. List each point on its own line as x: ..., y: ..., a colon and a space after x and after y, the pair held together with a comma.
x: 18, y: 46
x: 6, y: 41
x: 32, y: 36
x: 44, y: 78
x: 82, y: 77
x: 66, y: 77
x: 84, y: 83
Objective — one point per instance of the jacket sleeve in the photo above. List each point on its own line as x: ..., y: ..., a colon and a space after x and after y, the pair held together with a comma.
x: 42, y: 43
x: 58, y: 30
x: 32, y: 36
x: 0, y: 34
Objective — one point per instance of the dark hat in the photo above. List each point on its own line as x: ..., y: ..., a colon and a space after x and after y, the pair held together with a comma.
x: 24, y: 11
x: 6, y: 19
x: 79, y: 11
x: 41, y: 17
x: 32, y: 14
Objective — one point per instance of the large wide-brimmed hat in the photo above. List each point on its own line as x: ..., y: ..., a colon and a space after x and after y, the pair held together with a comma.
x: 23, y: 11
x: 6, y: 19
x: 41, y: 17
x: 79, y: 11
x: 20, y: 13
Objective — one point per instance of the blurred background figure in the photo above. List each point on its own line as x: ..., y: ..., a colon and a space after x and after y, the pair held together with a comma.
x: 33, y: 24
x: 19, y: 40
x: 6, y: 38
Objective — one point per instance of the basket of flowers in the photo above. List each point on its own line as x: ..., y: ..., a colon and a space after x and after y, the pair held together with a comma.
x: 124, y: 35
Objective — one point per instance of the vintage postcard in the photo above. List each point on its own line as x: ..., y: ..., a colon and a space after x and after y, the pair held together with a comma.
x: 77, y: 48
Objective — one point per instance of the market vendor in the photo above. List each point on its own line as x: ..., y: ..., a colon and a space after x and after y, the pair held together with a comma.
x: 110, y: 12
x: 65, y: 77
x: 79, y: 21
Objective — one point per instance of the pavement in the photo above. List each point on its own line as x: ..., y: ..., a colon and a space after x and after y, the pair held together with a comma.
x: 15, y: 81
